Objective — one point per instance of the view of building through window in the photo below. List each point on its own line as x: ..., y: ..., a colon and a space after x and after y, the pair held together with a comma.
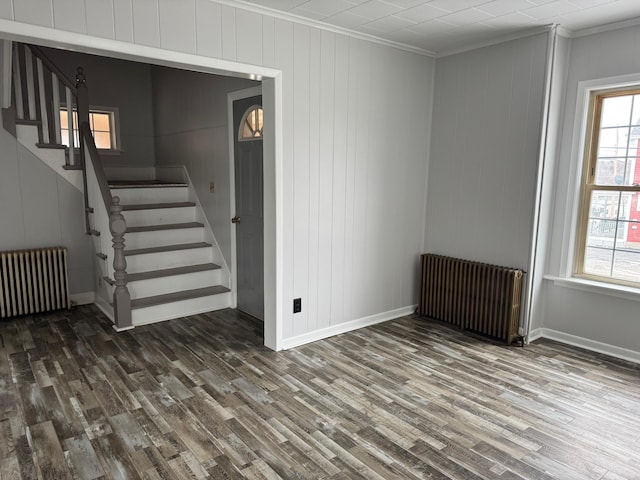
x: 612, y: 233
x: 102, y: 127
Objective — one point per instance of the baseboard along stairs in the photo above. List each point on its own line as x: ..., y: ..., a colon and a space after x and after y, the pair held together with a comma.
x: 170, y: 264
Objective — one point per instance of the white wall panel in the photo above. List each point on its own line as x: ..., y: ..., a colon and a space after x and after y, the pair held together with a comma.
x: 70, y: 15
x: 301, y: 133
x: 100, y: 18
x: 178, y: 25
x: 123, y: 20
x: 35, y: 12
x: 228, y: 27
x: 313, y: 119
x: 248, y: 37
x: 482, y: 173
x: 6, y: 9
x: 146, y: 22
x: 354, y: 155
x: 283, y: 42
x: 208, y: 28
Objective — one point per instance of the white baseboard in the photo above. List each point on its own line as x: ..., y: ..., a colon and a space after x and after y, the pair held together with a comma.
x: 587, y: 344
x: 346, y: 327
x: 85, y: 298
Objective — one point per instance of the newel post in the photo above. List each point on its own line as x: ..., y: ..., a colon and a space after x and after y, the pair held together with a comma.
x: 82, y: 106
x: 83, y: 97
x: 121, y: 297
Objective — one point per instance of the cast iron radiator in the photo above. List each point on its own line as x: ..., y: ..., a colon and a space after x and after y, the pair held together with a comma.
x: 474, y: 296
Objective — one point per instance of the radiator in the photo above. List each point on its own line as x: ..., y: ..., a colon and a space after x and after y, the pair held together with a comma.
x: 474, y: 296
x: 33, y: 281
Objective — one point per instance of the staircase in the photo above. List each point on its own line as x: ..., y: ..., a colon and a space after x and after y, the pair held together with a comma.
x: 174, y: 266
x: 170, y: 262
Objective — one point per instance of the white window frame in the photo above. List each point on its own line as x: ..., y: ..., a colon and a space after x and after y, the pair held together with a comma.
x: 567, y: 277
x: 115, y: 133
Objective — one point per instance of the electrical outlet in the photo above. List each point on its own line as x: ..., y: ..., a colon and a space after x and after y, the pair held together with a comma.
x: 297, y: 305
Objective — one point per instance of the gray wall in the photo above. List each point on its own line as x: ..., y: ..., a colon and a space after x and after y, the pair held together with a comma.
x: 191, y: 130
x: 122, y: 84
x: 587, y: 314
x: 38, y: 208
x: 484, y: 154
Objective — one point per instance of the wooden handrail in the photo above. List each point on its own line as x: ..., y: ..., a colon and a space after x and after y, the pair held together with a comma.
x: 87, y: 137
x: 37, y: 51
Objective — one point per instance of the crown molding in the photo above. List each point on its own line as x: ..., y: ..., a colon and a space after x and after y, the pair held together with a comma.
x: 252, y: 7
x: 632, y: 22
x: 529, y: 32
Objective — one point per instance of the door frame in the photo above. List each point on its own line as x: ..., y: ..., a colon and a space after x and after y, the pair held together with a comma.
x: 273, y: 135
x: 233, y: 267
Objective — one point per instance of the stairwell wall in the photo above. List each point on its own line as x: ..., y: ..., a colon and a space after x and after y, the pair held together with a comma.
x: 190, y: 124
x: 123, y: 85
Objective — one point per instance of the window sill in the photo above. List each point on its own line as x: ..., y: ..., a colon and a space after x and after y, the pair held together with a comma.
x: 601, y: 288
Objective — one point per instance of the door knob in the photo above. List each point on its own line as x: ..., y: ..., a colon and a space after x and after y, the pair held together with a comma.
x: 235, y: 219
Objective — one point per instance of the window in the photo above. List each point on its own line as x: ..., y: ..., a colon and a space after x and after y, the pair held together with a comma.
x: 609, y: 234
x: 251, y: 124
x: 102, y: 124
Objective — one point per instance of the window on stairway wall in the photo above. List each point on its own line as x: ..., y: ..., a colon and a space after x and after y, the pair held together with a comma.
x: 103, y: 126
x: 609, y: 229
x: 251, y: 124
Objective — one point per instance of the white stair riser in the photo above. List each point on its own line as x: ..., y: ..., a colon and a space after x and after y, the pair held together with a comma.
x: 168, y: 311
x: 173, y: 283
x: 161, y: 260
x: 159, y: 216
x: 130, y: 196
x: 160, y: 238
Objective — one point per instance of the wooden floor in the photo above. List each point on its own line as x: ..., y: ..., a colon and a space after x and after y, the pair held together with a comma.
x: 201, y: 398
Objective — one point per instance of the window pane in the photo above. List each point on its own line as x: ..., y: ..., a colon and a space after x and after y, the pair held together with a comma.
x: 611, y: 171
x: 604, y: 204
x: 597, y: 261
x: 635, y: 116
x: 101, y: 122
x: 103, y: 139
x: 63, y: 117
x: 602, y: 233
x: 64, y: 137
x: 626, y: 266
x: 616, y: 111
x: 613, y: 142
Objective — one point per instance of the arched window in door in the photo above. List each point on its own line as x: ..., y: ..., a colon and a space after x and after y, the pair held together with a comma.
x: 251, y: 124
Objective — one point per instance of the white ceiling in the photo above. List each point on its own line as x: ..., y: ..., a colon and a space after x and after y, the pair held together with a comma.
x: 443, y: 26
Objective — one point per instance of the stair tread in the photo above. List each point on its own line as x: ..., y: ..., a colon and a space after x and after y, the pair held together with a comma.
x: 178, y: 296
x: 133, y: 277
x: 151, y: 206
x: 120, y: 184
x: 166, y: 248
x: 167, y: 226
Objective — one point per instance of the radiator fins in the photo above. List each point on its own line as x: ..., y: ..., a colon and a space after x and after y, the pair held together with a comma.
x: 33, y: 281
x: 474, y: 296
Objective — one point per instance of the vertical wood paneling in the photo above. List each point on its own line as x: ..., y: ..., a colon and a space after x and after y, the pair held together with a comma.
x: 123, y: 20
x: 301, y: 168
x: 70, y: 15
x: 284, y: 61
x: 228, y: 24
x: 268, y: 41
x: 339, y: 181
x: 360, y: 261
x: 36, y: 12
x: 475, y: 166
x: 325, y: 201
x: 146, y: 22
x: 350, y: 178
x: 6, y: 9
x: 100, y: 18
x: 248, y: 37
x: 208, y: 28
x: 177, y: 25
x: 314, y: 178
